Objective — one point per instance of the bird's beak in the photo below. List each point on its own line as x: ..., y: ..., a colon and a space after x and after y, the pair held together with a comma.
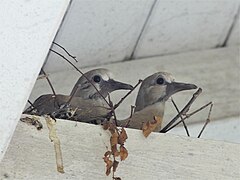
x: 175, y: 87
x: 116, y: 85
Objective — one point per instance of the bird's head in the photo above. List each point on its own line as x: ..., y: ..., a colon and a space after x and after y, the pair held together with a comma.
x: 102, y: 80
x: 158, y: 88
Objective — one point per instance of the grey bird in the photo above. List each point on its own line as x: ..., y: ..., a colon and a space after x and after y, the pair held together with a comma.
x: 88, y: 103
x: 103, y: 81
x: 153, y: 93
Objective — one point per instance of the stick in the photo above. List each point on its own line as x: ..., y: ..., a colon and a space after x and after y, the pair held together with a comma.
x: 122, y: 99
x: 132, y: 110
x: 30, y: 108
x: 183, y: 111
x: 184, y: 124
x: 81, y: 74
x: 49, y: 82
x: 189, y: 115
x: 112, y: 109
x: 207, y: 121
x: 74, y: 57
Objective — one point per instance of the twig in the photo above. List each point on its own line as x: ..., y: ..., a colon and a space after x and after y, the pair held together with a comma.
x: 51, y: 86
x: 49, y: 82
x: 129, y: 119
x: 31, y: 107
x: 183, y: 111
x: 112, y: 109
x: 132, y: 110
x: 81, y: 74
x: 203, y: 107
x: 30, y: 103
x: 74, y: 57
x: 207, y: 121
x: 189, y: 115
x: 122, y: 99
x: 184, y: 124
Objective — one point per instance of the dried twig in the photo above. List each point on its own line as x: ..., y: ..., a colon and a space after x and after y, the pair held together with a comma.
x: 49, y: 82
x: 30, y: 108
x: 81, y: 74
x: 132, y: 110
x: 188, y: 115
x: 184, y: 124
x: 183, y: 111
x: 74, y: 57
x: 129, y: 119
x: 122, y: 99
x: 30, y: 103
x: 207, y: 120
x: 112, y: 109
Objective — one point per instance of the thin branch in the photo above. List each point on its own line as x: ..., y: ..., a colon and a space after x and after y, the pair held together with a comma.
x: 132, y: 110
x: 189, y: 115
x: 82, y: 75
x: 194, y: 112
x: 184, y: 110
x: 30, y: 108
x: 49, y: 82
x: 207, y: 121
x: 112, y: 109
x: 184, y: 124
x: 129, y: 119
x: 122, y: 99
x: 74, y: 57
x: 51, y: 86
x: 31, y: 104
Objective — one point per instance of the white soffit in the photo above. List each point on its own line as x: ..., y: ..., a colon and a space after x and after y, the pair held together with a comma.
x: 99, y: 32
x: 234, y: 39
x: 177, y: 26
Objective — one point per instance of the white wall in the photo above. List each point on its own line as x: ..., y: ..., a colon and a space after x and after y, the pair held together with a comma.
x: 26, y: 33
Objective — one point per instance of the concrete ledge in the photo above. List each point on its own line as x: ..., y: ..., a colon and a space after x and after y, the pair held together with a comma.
x: 160, y: 156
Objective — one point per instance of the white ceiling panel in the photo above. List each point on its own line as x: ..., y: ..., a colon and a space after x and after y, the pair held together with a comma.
x: 177, y: 26
x: 99, y: 32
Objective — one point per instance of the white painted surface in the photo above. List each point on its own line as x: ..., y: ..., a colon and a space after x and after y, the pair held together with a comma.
x: 177, y: 26
x: 234, y: 38
x: 224, y: 130
x: 160, y: 156
x: 27, y: 29
x: 99, y: 32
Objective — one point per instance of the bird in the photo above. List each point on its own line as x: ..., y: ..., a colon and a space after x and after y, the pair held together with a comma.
x: 84, y: 104
x: 102, y: 79
x: 154, y: 91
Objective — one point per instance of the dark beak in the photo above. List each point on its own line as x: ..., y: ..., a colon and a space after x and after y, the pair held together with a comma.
x: 175, y: 87
x: 116, y: 85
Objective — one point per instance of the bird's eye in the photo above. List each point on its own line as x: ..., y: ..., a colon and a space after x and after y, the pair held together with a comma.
x: 160, y: 81
x: 97, y: 78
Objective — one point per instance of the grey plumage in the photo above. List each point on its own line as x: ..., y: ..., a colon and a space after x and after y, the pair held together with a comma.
x: 151, y: 98
x: 89, y: 105
x: 103, y: 81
